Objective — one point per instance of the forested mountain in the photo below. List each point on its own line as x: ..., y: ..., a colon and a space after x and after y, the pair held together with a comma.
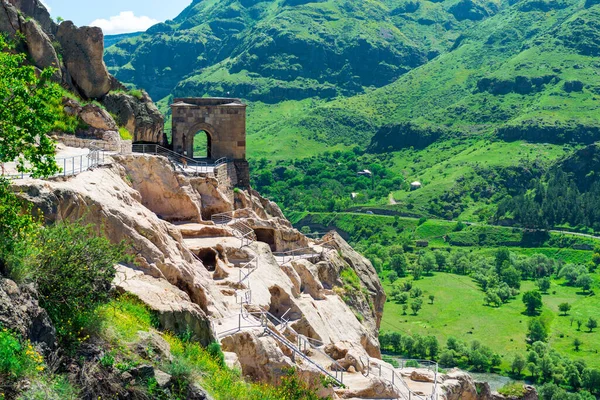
x: 273, y: 50
x: 480, y: 101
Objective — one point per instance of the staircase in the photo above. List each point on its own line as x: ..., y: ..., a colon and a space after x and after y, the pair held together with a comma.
x: 248, y: 321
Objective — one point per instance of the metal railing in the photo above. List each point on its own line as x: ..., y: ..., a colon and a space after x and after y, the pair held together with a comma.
x: 253, y: 320
x: 304, y: 253
x: 71, y: 166
x: 179, y: 161
x: 375, y: 366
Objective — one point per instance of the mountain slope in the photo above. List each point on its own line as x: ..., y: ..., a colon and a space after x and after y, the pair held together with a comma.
x: 277, y: 50
x: 529, y: 72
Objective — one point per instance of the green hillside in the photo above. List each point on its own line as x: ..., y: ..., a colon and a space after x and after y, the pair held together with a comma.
x: 275, y: 50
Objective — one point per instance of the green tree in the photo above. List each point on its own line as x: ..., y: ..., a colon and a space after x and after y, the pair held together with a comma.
x: 584, y: 282
x: 577, y: 344
x: 416, y: 305
x: 532, y: 301
x: 591, y: 380
x: 564, y: 308
x: 537, y: 331
x: 431, y: 298
x: 26, y: 116
x: 417, y: 271
x: 392, y: 276
x: 404, y: 308
x: 543, y: 284
x: 518, y: 364
x: 399, y: 264
x: 591, y: 324
x: 428, y: 262
x: 396, y: 341
x: 579, y: 323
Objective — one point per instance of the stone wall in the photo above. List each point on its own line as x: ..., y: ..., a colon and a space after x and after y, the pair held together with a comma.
x: 109, y: 144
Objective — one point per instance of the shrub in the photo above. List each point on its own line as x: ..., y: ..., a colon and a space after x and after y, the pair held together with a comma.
x: 125, y: 134
x: 73, y: 269
x: 214, y: 349
x: 137, y: 93
x: 18, y: 359
x: 512, y: 389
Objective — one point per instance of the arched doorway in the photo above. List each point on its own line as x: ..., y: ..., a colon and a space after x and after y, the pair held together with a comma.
x: 202, y: 145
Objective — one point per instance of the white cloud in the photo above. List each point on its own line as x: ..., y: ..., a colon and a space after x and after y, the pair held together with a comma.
x: 46, y: 5
x: 125, y: 22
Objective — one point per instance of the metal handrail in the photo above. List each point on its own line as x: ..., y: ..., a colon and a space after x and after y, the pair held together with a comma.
x: 76, y: 164
x: 298, y: 253
x: 179, y: 160
x: 367, y: 361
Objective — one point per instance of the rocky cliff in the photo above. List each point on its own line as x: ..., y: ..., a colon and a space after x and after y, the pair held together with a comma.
x: 76, y: 54
x: 187, y: 268
x: 273, y: 297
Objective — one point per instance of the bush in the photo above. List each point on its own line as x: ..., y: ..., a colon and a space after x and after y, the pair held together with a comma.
x: 137, y: 93
x: 73, y: 269
x: 125, y: 134
x: 18, y: 359
x: 512, y: 389
x: 214, y: 349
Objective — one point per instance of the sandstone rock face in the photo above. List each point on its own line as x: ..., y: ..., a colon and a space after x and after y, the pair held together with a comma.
x: 82, y: 54
x: 37, y: 42
x: 20, y: 312
x: 97, y: 118
x: 195, y: 273
x: 140, y: 116
x: 458, y: 385
x: 36, y: 10
x: 168, y: 195
x: 103, y: 198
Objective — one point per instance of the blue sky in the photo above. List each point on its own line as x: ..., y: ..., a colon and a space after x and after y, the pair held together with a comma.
x: 116, y: 16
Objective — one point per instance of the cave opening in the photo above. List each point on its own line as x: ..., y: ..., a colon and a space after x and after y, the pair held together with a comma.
x: 266, y: 235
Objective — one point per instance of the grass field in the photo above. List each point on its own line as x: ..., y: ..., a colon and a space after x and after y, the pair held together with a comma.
x: 459, y: 311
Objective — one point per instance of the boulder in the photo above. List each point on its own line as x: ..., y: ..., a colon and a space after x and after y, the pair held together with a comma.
x: 309, y: 279
x: 20, y: 312
x: 152, y: 346
x: 139, y: 115
x: 82, y: 51
x: 97, y: 118
x: 197, y: 392
x: 422, y: 375
x: 36, y: 10
x: 39, y: 47
x: 458, y: 385
x: 37, y: 44
x: 163, y: 380
x: 176, y: 312
x: 168, y: 195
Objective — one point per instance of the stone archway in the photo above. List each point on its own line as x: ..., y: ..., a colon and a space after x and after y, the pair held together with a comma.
x: 190, y: 136
x: 224, y: 121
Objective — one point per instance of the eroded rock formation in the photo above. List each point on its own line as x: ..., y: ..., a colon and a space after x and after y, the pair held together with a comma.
x: 188, y: 269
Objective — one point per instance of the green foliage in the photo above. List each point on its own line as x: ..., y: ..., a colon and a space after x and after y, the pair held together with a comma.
x: 137, y: 93
x: 125, y: 134
x: 214, y: 349
x: 537, y: 331
x: 326, y: 182
x: 18, y: 359
x: 532, y: 301
x: 512, y: 389
x: 25, y: 117
x: 72, y: 267
x: 350, y: 279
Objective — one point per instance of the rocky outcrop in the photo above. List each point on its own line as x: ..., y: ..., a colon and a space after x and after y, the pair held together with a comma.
x: 82, y: 51
x: 139, y: 115
x: 20, y: 312
x: 37, y: 43
x: 193, y: 273
x: 36, y: 10
x: 176, y: 311
x: 97, y: 118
